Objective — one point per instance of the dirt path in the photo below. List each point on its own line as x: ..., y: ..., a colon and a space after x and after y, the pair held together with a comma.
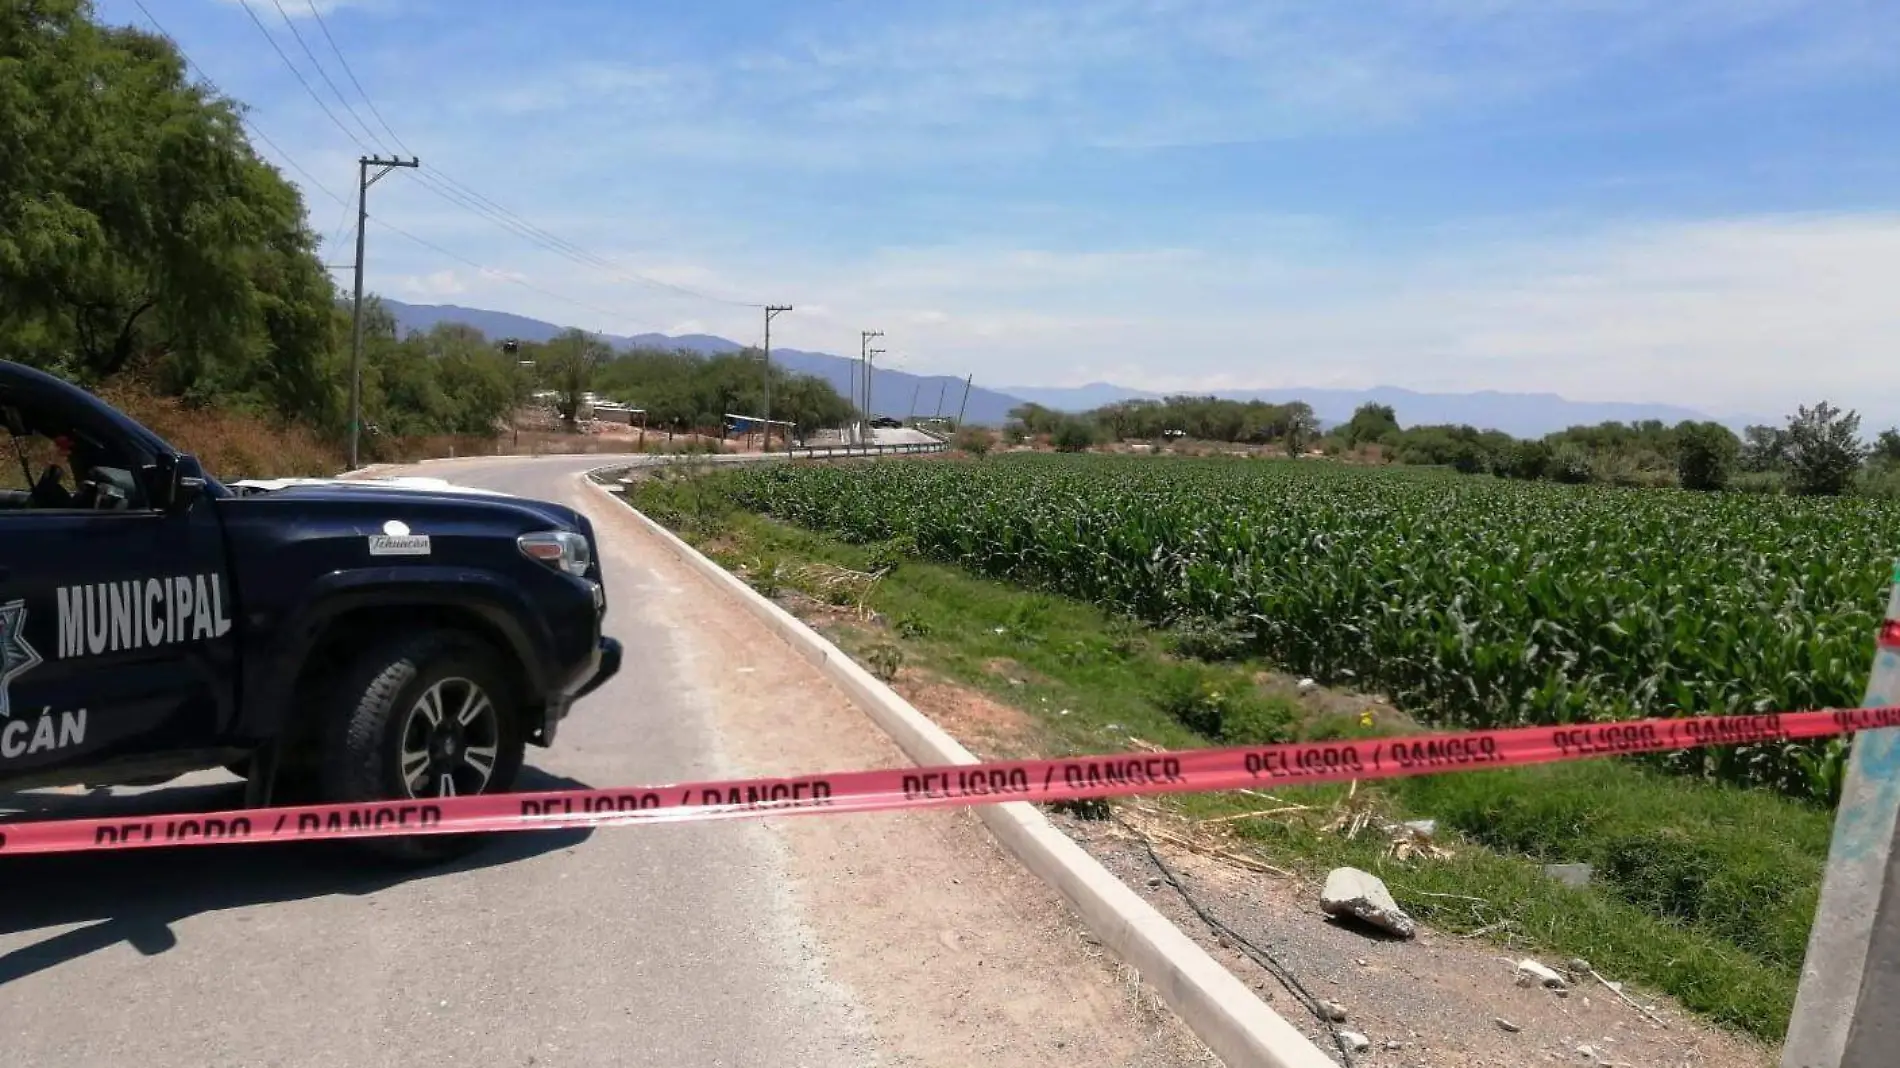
x: 953, y: 952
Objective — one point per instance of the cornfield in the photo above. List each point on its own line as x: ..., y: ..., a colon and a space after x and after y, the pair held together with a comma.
x: 1472, y: 603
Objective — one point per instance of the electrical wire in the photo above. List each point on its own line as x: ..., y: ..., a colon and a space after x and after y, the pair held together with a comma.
x: 1258, y: 954
x: 297, y: 35
x: 446, y: 187
x: 301, y: 80
x: 506, y: 277
x: 245, y: 119
x: 344, y: 203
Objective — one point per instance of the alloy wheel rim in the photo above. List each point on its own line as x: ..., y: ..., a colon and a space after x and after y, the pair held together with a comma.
x: 450, y: 740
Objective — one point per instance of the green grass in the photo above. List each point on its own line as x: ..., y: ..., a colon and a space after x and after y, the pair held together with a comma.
x: 1703, y: 892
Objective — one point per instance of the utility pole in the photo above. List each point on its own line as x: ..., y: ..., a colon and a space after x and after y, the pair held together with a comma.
x: 363, y: 182
x: 870, y: 372
x: 914, y: 390
x: 859, y: 381
x: 942, y: 388
x: 966, y: 400
x: 771, y: 310
x: 513, y: 348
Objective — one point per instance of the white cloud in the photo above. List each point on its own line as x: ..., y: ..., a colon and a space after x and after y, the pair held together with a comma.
x: 1751, y: 314
x: 436, y: 284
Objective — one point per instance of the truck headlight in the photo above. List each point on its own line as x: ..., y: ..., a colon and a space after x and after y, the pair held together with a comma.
x: 563, y: 549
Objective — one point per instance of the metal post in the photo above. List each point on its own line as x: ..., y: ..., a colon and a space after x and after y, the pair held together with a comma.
x: 363, y: 182
x: 870, y: 375
x: 1850, y: 982
x: 966, y: 400
x: 861, y: 391
x: 770, y: 310
x: 942, y: 388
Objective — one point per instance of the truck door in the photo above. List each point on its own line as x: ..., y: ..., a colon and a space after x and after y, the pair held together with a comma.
x: 117, y: 620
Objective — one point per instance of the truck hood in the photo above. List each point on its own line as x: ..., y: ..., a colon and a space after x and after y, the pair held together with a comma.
x: 249, y: 486
x: 351, y: 494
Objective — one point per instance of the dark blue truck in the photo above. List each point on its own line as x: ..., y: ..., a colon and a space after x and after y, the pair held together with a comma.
x: 329, y: 641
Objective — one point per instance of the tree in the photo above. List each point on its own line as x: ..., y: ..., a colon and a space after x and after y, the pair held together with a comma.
x: 1371, y: 424
x: 1037, y: 419
x: 1764, y: 448
x: 1705, y: 454
x: 139, y: 231
x: 1297, y: 425
x: 1823, y: 450
x: 568, y: 364
x: 1887, y: 446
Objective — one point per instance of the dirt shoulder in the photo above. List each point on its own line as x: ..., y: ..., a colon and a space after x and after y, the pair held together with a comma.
x: 1434, y: 1002
x: 957, y: 955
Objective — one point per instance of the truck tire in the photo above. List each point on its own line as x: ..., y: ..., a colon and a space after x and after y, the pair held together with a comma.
x: 421, y: 716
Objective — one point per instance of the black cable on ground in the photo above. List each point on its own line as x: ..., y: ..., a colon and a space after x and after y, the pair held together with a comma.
x: 1247, y: 946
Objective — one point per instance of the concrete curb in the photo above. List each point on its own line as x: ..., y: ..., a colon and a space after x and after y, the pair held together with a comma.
x: 1234, y: 1023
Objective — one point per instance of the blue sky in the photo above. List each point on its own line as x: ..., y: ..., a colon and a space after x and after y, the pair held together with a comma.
x: 1695, y: 201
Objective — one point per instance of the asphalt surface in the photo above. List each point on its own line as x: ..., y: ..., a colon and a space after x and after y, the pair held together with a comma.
x: 669, y: 946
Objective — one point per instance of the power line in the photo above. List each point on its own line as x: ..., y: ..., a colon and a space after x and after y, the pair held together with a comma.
x: 448, y: 188
x: 245, y: 119
x: 301, y: 80
x: 344, y: 203
x: 324, y: 74
x: 507, y: 277
x: 351, y: 74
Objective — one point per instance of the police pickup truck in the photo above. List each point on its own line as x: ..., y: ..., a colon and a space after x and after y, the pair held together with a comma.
x: 330, y: 641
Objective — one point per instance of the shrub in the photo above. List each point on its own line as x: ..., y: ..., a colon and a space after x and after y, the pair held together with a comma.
x: 888, y: 555
x: 1211, y: 639
x: 1529, y: 460
x: 1569, y: 464
x: 973, y: 440
x: 1705, y: 455
x: 1254, y: 720
x: 1194, y: 697
x: 885, y: 660
x: 1823, y: 449
x: 1074, y: 435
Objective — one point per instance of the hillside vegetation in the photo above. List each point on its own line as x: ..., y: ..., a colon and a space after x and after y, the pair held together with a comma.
x: 149, y: 253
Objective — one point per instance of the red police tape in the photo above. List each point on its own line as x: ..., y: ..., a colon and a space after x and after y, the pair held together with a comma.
x: 1108, y: 775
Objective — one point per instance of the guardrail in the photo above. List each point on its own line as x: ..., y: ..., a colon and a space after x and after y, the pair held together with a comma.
x: 829, y: 452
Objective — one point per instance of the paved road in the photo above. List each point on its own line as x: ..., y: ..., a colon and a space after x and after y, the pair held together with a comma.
x: 665, y: 947
x: 740, y: 943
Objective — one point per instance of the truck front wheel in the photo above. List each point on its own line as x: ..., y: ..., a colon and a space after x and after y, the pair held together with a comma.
x: 423, y: 716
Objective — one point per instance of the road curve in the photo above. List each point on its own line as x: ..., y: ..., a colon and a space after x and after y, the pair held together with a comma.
x: 820, y: 941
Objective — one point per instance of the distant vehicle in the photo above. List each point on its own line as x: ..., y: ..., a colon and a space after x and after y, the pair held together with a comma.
x: 885, y: 422
x: 329, y: 640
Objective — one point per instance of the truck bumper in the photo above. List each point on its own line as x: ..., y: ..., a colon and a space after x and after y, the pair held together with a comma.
x: 604, y: 664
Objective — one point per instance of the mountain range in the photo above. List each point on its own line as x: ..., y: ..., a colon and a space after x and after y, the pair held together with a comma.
x: 900, y: 393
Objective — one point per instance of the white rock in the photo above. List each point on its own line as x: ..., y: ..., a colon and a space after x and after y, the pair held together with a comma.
x: 1333, y: 1011
x: 1307, y: 684
x: 1587, y: 1052
x: 1531, y: 973
x: 1355, y: 1042
x: 1362, y: 896
x: 1507, y: 1025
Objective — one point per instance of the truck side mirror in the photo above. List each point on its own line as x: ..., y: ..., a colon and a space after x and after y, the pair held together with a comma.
x: 176, y: 483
